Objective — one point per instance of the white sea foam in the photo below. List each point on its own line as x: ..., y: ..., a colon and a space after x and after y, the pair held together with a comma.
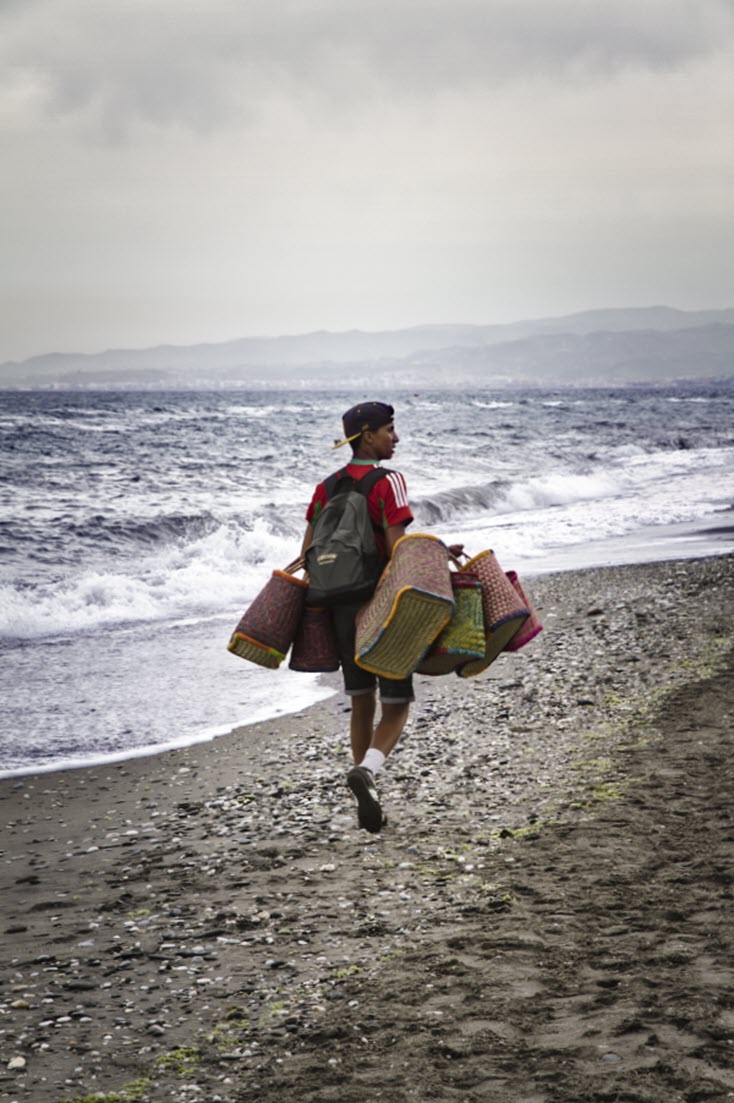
x: 224, y: 569
x: 558, y: 489
x: 529, y: 533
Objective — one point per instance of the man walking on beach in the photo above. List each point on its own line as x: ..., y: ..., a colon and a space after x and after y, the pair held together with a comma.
x: 370, y: 430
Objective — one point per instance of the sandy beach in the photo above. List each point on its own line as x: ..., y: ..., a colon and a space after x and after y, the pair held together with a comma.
x: 546, y: 917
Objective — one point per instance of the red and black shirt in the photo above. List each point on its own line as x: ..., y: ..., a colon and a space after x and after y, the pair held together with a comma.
x: 387, y: 502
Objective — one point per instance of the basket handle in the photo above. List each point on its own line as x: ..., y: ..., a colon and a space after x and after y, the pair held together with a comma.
x: 296, y: 565
x: 455, y: 559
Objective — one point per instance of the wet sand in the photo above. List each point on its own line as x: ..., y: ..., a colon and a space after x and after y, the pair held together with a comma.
x: 545, y: 919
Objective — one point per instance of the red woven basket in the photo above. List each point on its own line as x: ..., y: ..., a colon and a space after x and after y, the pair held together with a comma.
x: 269, y: 626
x: 314, y: 648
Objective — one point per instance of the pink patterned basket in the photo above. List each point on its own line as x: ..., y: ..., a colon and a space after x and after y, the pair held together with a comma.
x: 532, y: 625
x: 505, y: 612
x: 412, y: 603
x: 269, y: 626
x: 314, y: 648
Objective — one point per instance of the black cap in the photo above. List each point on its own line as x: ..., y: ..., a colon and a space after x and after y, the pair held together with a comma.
x: 367, y: 415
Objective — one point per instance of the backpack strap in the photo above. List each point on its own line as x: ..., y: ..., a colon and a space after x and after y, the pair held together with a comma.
x: 371, y: 479
x: 330, y: 483
x: 363, y: 485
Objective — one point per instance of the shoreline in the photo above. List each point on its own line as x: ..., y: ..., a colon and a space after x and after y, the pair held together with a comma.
x: 634, y: 550
x: 210, y: 917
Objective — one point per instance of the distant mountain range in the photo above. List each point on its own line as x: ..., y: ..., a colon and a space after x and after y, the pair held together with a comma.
x: 644, y: 345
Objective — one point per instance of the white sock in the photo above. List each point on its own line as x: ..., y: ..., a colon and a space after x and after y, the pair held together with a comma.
x: 373, y: 760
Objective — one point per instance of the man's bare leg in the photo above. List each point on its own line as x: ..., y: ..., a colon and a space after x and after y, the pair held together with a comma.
x: 361, y: 724
x: 386, y: 735
x: 388, y: 731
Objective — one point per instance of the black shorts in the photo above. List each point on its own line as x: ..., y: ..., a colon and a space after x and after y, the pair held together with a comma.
x: 357, y: 680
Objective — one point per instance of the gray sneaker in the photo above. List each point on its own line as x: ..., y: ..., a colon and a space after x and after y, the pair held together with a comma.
x: 362, y: 783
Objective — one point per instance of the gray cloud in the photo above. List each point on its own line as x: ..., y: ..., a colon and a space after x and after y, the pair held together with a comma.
x: 185, y: 170
x: 202, y: 65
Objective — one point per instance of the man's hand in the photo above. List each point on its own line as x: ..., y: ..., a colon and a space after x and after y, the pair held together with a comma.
x: 457, y: 550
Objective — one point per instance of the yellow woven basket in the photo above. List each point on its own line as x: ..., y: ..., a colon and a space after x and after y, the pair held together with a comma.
x: 412, y: 603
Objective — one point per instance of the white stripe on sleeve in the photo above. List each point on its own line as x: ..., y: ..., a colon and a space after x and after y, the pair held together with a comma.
x: 399, y: 489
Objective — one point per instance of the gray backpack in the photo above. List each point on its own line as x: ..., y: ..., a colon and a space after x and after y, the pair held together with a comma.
x: 342, y: 561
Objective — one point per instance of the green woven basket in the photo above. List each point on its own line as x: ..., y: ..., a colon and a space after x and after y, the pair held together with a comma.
x: 505, y: 612
x: 463, y: 639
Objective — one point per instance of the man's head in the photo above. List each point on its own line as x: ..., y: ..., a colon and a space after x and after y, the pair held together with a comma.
x: 369, y: 428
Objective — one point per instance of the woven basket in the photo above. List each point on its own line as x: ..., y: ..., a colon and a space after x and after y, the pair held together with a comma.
x: 504, y: 610
x: 532, y: 625
x: 314, y: 648
x: 463, y: 638
x: 412, y: 603
x: 247, y: 648
x: 269, y: 626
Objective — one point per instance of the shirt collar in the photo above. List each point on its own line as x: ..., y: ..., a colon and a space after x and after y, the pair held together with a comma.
x: 364, y: 463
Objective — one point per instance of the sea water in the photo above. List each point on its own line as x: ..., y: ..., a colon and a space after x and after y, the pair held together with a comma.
x: 135, y: 528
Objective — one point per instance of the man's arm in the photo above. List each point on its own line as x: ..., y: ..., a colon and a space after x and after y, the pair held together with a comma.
x: 392, y: 535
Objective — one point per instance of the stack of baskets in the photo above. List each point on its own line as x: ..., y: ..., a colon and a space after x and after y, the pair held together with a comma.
x: 429, y: 619
x: 279, y: 618
x: 504, y: 609
x: 422, y: 617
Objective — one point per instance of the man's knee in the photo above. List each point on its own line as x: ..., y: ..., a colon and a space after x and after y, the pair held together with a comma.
x: 395, y: 708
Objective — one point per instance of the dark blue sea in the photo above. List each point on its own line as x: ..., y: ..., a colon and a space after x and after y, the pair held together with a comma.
x: 136, y: 527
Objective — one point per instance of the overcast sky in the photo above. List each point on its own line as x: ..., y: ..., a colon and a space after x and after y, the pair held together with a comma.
x: 176, y: 171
